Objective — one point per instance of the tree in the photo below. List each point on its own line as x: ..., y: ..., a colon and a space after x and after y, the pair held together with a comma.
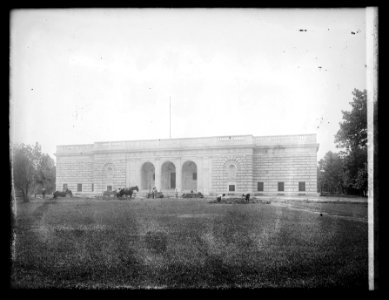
x: 45, y: 175
x: 352, y: 138
x: 23, y: 170
x: 331, y: 172
x: 361, y: 180
x: 353, y: 130
x: 31, y: 169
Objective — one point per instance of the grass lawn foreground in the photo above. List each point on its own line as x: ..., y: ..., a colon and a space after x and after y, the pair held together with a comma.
x: 187, y: 243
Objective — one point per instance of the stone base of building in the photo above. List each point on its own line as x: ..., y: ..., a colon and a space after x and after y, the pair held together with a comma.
x: 172, y: 194
x: 289, y: 194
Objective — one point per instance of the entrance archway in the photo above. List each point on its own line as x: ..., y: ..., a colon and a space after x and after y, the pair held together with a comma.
x: 147, y: 176
x: 168, y: 176
x: 189, y: 176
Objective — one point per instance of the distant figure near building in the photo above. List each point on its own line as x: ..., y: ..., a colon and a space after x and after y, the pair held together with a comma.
x: 154, y: 192
x: 265, y: 165
x: 247, y: 197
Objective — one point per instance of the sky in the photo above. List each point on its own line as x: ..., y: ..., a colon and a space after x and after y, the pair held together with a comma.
x: 78, y: 76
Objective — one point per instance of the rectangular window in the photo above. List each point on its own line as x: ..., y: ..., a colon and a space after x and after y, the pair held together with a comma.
x: 302, y: 186
x: 65, y: 187
x: 260, y: 186
x: 231, y: 188
x: 194, y: 176
x: 109, y: 188
x: 280, y: 186
x: 93, y: 187
x: 79, y: 187
x: 154, y: 176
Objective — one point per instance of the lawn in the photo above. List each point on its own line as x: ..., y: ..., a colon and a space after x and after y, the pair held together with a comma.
x: 187, y: 243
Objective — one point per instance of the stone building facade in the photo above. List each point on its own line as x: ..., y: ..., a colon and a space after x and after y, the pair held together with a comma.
x: 262, y: 165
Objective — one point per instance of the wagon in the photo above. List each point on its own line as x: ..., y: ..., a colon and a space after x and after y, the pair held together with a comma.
x: 192, y: 195
x: 109, y: 194
x: 157, y: 195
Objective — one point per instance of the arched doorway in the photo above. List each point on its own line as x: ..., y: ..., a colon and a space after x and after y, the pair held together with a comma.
x: 147, y: 176
x: 189, y: 176
x: 168, y: 176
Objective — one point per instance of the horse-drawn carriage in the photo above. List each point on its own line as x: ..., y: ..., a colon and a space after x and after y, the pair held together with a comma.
x: 109, y: 194
x: 124, y: 193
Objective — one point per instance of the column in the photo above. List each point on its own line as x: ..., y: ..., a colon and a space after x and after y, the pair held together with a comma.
x: 158, y: 174
x: 128, y: 173
x: 200, y: 177
x: 205, y: 175
x: 178, y: 175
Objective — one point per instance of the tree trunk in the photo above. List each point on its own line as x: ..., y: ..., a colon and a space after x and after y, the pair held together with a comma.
x: 25, y: 194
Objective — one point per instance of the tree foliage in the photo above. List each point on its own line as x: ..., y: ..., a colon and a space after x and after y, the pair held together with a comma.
x: 351, y: 139
x: 331, y: 172
x: 32, y: 170
x: 352, y: 134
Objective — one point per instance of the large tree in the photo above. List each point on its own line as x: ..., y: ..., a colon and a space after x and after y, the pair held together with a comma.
x: 352, y: 140
x: 330, y: 173
x: 31, y: 170
x: 45, y: 174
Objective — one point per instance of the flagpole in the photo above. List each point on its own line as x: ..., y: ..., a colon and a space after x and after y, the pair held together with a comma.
x: 170, y: 118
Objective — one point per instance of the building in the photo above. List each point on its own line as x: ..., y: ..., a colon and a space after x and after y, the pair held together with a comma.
x: 265, y: 165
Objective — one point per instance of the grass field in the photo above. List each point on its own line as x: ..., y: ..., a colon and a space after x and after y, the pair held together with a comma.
x: 188, y: 243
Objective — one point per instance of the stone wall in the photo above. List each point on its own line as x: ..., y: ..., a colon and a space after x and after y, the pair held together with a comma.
x: 290, y: 165
x: 243, y: 160
x: 73, y: 170
x: 119, y: 170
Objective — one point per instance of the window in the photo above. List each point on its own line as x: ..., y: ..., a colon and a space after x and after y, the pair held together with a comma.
x: 194, y: 176
x: 153, y: 176
x: 109, y: 188
x: 93, y: 187
x: 302, y: 186
x: 260, y: 186
x: 231, y: 171
x: 79, y: 187
x: 231, y: 188
x: 280, y: 186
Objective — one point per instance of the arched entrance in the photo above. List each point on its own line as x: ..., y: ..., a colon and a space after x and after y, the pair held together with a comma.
x: 168, y: 176
x: 147, y: 176
x: 189, y: 176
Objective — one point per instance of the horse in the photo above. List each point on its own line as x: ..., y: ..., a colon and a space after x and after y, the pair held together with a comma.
x: 62, y: 194
x: 128, y: 191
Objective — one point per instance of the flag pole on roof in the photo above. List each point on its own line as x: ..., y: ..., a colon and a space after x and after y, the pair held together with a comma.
x: 170, y: 117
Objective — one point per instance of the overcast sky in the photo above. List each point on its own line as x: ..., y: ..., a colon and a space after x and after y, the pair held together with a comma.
x: 81, y: 76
